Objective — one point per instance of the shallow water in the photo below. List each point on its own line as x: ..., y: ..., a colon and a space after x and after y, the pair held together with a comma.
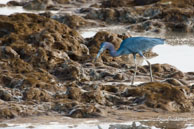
x: 179, y: 56
x: 5, y: 1
x: 95, y: 125
x: 12, y: 10
x: 8, y: 10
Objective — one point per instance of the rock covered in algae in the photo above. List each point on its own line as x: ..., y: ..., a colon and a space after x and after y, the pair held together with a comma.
x: 162, y: 95
x: 45, y: 67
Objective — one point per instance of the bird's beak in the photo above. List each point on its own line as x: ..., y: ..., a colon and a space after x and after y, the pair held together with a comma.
x: 99, y: 52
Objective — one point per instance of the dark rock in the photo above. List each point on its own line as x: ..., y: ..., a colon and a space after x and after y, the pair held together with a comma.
x: 15, y: 3
x: 84, y: 112
x: 4, y: 95
x: 118, y: 76
x: 36, y: 94
x: 74, y: 93
x: 8, y: 52
x: 6, y: 28
x: 117, y: 3
x: 145, y: 2
x: 9, y: 81
x: 177, y: 75
x: 162, y: 68
x: 71, y: 71
x: 109, y: 88
x: 177, y: 19
x: 38, y: 4
x: 126, y: 3
x: 162, y: 95
x: 95, y: 96
x: 112, y: 15
x: 63, y: 1
x: 148, y: 25
x: 64, y: 105
x: 9, y: 111
x: 180, y: 3
x: 174, y: 82
x: 74, y: 21
x: 152, y: 12
x: 178, y: 27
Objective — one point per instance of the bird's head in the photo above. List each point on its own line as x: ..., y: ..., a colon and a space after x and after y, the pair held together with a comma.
x: 103, y: 47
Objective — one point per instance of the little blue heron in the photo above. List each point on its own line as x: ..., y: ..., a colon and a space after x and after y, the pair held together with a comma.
x: 133, y: 45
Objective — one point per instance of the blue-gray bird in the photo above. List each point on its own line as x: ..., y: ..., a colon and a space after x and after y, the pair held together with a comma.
x: 133, y: 45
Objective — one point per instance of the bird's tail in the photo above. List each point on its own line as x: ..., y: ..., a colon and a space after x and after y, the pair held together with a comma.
x: 162, y: 41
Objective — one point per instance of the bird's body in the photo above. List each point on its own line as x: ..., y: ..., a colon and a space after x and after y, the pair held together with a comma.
x: 133, y: 45
x: 138, y: 44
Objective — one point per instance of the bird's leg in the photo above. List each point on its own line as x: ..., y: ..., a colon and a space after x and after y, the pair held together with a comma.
x: 150, y: 66
x: 134, y: 75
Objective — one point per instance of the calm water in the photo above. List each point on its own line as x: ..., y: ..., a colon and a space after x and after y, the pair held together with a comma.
x: 179, y: 56
x: 93, y: 125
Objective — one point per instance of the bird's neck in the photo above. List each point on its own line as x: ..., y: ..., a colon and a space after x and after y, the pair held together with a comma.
x: 112, y: 50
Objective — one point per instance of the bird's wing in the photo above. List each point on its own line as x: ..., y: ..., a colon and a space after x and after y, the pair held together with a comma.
x: 140, y: 44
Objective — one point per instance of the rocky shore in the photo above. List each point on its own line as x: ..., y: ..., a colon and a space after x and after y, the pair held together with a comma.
x: 47, y: 67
